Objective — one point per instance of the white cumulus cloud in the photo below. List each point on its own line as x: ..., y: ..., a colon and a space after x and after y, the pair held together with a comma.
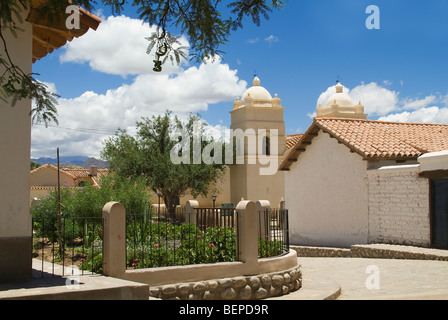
x: 118, y: 47
x: 423, y: 115
x: 415, y: 104
x: 384, y: 104
x: 271, y: 39
x: 376, y: 100
x: 85, y: 121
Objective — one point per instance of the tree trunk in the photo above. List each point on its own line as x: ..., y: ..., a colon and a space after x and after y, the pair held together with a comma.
x: 170, y: 203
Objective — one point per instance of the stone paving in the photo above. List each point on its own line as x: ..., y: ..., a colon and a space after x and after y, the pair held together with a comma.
x: 396, y: 279
x: 386, y: 272
x: 340, y: 278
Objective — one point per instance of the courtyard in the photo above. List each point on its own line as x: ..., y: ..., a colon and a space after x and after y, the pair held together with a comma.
x: 324, y: 278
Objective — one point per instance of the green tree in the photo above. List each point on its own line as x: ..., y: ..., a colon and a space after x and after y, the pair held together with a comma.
x: 148, y: 154
x: 34, y: 165
x: 206, y: 23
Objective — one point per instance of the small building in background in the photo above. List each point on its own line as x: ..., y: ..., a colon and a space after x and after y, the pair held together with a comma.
x: 44, y: 179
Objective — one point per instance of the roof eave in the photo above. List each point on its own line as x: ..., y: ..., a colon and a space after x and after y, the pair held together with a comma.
x: 48, y: 36
x: 299, y: 147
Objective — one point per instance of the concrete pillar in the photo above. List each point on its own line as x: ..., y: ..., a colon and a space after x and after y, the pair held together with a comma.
x: 248, y: 235
x: 114, y: 240
x: 15, y: 142
x: 190, y: 211
x: 282, y: 205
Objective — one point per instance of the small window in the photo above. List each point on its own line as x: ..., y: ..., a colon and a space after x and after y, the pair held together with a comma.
x: 266, y: 145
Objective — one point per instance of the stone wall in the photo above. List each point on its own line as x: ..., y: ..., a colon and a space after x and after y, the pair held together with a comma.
x: 388, y: 251
x: 238, y: 288
x: 305, y: 251
x: 398, y: 206
x: 270, y: 276
x: 375, y: 250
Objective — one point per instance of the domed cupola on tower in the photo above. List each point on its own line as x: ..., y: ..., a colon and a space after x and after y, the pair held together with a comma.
x: 340, y: 105
x: 257, y: 96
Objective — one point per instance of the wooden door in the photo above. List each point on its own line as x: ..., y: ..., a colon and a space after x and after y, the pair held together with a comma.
x: 440, y: 213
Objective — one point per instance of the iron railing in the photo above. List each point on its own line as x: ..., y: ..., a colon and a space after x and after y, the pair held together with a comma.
x: 60, y: 248
x: 208, y: 235
x: 214, y: 217
x: 273, y: 232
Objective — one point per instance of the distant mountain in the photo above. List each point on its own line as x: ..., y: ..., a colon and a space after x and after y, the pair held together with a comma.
x: 101, y: 164
x: 81, y: 161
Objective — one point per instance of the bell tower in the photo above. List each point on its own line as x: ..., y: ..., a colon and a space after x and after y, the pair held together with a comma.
x: 258, y: 132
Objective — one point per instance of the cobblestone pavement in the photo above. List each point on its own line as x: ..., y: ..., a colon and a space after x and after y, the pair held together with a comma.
x: 366, y: 278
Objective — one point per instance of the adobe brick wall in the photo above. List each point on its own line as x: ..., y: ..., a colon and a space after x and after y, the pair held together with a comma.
x: 398, y: 204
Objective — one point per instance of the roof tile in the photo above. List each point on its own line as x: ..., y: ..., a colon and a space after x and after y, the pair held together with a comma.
x: 376, y: 140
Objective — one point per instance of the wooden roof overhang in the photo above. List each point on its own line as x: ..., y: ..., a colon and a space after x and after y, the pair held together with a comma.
x: 50, y: 34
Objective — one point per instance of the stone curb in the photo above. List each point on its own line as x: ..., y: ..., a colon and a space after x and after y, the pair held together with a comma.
x: 384, y: 251
x: 237, y: 288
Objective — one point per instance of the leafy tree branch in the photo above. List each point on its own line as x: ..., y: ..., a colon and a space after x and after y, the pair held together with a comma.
x: 203, y: 22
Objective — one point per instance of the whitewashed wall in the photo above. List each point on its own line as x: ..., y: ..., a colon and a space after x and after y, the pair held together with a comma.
x: 326, y: 195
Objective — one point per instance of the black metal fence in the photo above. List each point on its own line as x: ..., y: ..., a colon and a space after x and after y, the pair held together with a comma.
x: 206, y: 236
x: 213, y: 217
x: 273, y: 232
x: 60, y: 246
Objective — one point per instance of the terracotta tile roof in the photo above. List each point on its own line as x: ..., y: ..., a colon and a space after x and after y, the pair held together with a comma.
x: 53, y: 167
x: 75, y: 174
x: 84, y: 173
x: 48, y: 36
x: 376, y: 140
x: 292, y: 139
x: 43, y: 188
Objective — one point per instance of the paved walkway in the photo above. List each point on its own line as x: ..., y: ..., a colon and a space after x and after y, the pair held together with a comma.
x: 372, y: 279
x: 341, y: 278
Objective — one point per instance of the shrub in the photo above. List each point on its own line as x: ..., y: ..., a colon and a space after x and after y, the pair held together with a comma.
x: 269, y: 248
x: 168, y: 244
x: 88, y: 201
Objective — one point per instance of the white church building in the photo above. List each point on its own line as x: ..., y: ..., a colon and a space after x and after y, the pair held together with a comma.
x: 349, y: 180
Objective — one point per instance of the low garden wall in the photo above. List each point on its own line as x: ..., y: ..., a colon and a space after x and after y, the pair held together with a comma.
x: 249, y: 278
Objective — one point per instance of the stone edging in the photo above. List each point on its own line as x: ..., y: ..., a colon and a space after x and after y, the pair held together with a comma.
x: 303, y: 251
x: 383, y: 251
x: 237, y: 288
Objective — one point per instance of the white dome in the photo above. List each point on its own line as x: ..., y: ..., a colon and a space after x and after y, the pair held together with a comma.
x: 340, y: 105
x: 257, y: 92
x: 339, y: 98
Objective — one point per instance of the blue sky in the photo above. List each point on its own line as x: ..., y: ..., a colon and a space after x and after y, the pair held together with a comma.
x: 399, y: 72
